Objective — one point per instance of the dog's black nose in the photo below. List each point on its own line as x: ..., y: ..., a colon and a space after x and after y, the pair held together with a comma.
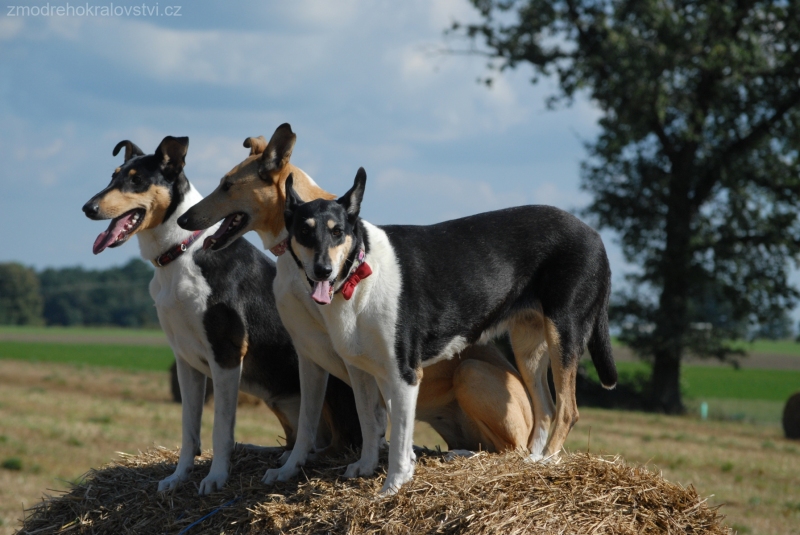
x: 183, y: 221
x: 91, y: 209
x: 322, y: 271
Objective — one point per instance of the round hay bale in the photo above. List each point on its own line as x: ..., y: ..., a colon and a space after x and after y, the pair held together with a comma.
x: 488, y: 493
x: 791, y: 416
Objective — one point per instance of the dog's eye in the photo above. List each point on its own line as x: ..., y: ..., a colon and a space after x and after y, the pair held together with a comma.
x: 226, y: 186
x: 336, y: 232
x: 305, y: 231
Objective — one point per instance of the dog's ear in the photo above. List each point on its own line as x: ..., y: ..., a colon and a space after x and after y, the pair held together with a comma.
x: 293, y: 200
x: 255, y: 144
x: 351, y: 201
x: 279, y: 149
x: 131, y: 149
x: 172, y: 153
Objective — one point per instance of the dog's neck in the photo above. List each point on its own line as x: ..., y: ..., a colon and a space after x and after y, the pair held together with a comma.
x: 154, y: 242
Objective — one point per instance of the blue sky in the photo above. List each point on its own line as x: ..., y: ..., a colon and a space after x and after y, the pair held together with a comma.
x: 363, y: 83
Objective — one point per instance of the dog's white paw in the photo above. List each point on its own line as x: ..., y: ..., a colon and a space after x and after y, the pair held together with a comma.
x: 171, y: 482
x: 393, y: 484
x: 452, y: 454
x: 212, y: 483
x: 540, y: 458
x: 360, y: 468
x: 283, y: 473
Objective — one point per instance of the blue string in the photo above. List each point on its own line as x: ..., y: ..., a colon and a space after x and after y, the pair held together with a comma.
x: 212, y: 513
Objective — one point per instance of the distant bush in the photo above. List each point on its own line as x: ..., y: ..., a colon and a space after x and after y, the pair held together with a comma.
x: 114, y: 296
x: 20, y: 296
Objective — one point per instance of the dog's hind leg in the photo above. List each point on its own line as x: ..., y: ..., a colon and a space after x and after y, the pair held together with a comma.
x: 372, y: 416
x: 226, y: 395
x: 193, y: 395
x: 529, y: 343
x: 496, y: 402
x: 564, y: 356
x: 313, y: 382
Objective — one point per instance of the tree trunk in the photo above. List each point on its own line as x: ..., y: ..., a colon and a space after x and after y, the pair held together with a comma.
x: 665, y: 394
x: 672, y: 321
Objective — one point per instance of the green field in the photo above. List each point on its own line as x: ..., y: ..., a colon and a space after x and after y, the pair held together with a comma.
x: 777, y: 347
x: 76, y: 346
x: 80, y: 331
x: 774, y: 347
x: 116, y: 356
x: 699, y: 382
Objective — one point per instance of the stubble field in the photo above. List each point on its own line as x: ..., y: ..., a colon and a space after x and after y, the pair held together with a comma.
x: 58, y: 419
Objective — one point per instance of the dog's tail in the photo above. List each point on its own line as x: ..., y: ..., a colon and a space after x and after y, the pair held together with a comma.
x: 600, y: 349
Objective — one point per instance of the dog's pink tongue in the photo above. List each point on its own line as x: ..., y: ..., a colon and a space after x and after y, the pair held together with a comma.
x: 211, y: 240
x: 110, y: 235
x: 321, y: 293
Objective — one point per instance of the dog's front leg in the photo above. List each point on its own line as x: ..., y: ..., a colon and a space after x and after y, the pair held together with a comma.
x: 401, y: 451
x: 313, y: 383
x: 193, y: 393
x: 372, y: 417
x: 226, y: 397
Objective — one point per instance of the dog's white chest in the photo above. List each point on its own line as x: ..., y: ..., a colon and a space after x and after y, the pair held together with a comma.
x: 363, y: 329
x: 180, y: 293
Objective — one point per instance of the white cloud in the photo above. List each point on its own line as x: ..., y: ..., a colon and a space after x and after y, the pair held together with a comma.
x: 322, y: 14
x: 225, y: 58
x: 439, y: 196
x: 565, y: 198
x: 36, y: 152
x: 10, y: 28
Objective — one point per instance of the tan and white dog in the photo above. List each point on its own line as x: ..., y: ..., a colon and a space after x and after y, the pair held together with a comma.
x: 477, y: 400
x: 216, y: 310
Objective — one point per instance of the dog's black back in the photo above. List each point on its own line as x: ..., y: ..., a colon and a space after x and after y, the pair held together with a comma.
x: 464, y: 276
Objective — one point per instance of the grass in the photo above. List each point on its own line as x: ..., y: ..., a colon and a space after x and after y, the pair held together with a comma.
x: 59, y: 420
x: 116, y: 356
x: 80, y: 331
x: 774, y: 347
x: 777, y: 347
x: 700, y: 382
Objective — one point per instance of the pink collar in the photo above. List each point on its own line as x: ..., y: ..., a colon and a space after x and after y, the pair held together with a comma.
x: 280, y: 248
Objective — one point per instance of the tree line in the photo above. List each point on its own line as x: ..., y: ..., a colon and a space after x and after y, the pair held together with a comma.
x: 75, y: 296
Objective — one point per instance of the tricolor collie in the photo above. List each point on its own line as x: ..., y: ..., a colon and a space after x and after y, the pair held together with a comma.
x: 534, y: 271
x: 217, y: 311
x: 476, y: 400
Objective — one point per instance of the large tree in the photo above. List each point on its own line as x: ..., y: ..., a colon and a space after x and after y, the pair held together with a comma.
x: 696, y: 165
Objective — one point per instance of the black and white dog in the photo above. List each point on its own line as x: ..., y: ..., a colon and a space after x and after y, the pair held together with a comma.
x: 217, y: 310
x: 536, y: 272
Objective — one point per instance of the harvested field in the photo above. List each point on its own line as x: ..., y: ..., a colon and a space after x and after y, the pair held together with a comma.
x: 485, y: 494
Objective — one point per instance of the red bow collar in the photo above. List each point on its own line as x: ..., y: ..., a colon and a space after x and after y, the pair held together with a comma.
x: 352, y: 281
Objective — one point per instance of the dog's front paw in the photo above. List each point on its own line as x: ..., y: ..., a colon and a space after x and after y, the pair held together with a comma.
x: 394, y: 482
x: 283, y: 473
x: 172, y: 481
x: 284, y: 457
x: 212, y: 483
x: 360, y: 468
